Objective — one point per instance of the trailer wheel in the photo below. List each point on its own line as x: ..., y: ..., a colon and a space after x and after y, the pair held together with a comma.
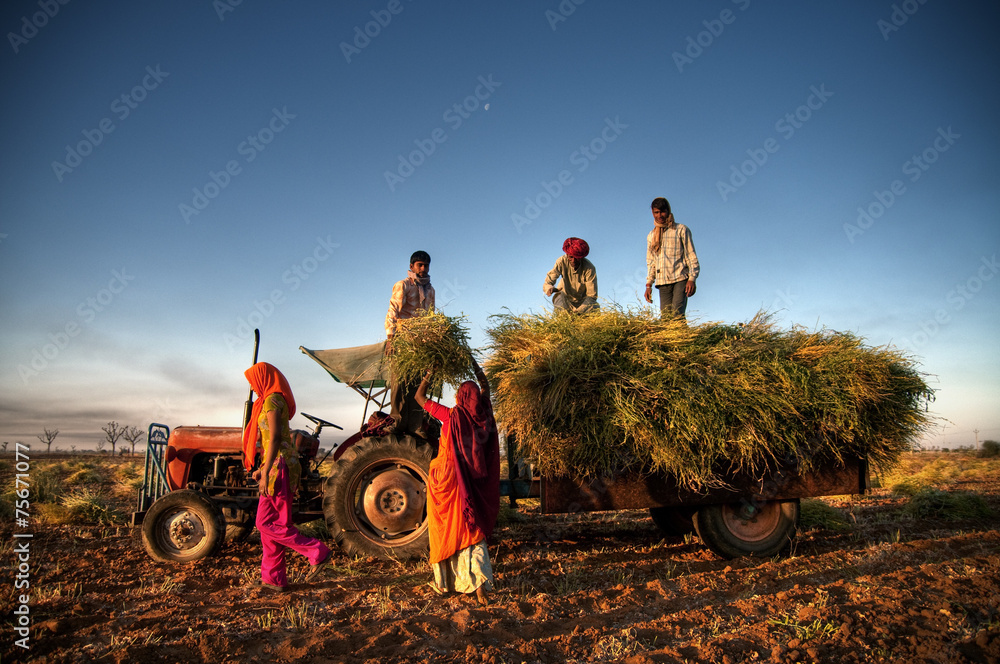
x: 375, y: 500
x: 183, y: 526
x: 676, y: 521
x: 746, y: 529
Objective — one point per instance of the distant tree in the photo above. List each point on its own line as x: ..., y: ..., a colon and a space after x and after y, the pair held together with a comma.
x: 73, y: 448
x: 133, y: 435
x: 5, y: 444
x: 113, y: 433
x: 101, y: 444
x: 48, y: 437
x: 990, y: 448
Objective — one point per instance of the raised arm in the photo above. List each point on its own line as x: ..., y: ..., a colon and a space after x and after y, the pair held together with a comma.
x: 484, y: 385
x: 421, y: 395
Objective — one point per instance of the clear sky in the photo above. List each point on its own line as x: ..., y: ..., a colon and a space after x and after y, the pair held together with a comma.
x: 175, y: 174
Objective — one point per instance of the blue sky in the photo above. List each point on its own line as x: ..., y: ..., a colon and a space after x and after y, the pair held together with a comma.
x: 178, y: 173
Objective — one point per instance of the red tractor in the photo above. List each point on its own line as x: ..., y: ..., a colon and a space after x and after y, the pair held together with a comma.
x: 196, y: 493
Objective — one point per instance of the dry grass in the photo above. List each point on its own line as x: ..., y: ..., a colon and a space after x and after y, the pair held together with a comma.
x: 617, y: 390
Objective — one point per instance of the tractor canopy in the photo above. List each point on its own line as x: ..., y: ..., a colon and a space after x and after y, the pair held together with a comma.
x: 362, y: 368
x: 359, y: 367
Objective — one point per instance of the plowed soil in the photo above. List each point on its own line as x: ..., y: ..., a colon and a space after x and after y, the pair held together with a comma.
x: 606, y: 587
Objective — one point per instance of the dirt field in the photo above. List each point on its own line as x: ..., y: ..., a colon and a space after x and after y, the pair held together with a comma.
x: 884, y: 586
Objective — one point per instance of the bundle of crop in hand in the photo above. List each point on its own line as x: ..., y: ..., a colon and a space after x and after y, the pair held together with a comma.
x: 617, y: 390
x: 432, y: 341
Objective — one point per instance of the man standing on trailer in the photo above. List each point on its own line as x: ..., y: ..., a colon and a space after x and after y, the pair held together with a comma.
x: 671, y: 264
x: 410, y: 296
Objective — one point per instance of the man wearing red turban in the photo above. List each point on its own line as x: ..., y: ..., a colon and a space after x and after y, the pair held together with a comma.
x: 578, y: 291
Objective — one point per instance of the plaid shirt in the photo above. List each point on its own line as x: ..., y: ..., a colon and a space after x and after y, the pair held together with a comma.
x: 405, y: 302
x: 676, y: 260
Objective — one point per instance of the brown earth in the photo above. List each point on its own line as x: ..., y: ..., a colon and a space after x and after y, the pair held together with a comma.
x: 581, y: 588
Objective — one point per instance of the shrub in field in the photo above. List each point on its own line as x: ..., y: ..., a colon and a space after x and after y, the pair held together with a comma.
x: 46, y: 484
x: 614, y: 390
x: 815, y: 513
x: 88, y: 505
x: 84, y: 473
x: 950, y: 505
x: 908, y: 486
x: 127, y: 480
x: 916, y: 471
x: 989, y: 449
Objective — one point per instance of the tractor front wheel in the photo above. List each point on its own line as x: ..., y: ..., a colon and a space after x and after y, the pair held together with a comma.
x: 183, y: 526
x: 375, y: 500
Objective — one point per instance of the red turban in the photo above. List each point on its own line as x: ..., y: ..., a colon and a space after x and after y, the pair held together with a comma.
x: 575, y: 247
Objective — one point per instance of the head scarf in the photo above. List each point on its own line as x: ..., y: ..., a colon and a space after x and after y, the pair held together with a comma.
x: 575, y: 247
x: 421, y: 283
x: 658, y: 227
x: 265, y: 379
x: 473, y: 432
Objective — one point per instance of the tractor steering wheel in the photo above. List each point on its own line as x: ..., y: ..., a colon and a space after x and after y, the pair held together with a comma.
x: 321, y: 422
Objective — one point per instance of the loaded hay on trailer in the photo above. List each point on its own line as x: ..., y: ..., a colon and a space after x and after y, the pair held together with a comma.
x: 617, y: 391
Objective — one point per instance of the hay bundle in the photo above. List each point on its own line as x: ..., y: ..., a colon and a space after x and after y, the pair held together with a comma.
x: 616, y: 390
x: 432, y: 341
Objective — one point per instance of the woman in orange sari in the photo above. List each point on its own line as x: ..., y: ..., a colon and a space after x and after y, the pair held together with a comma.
x: 278, y: 476
x: 463, y: 489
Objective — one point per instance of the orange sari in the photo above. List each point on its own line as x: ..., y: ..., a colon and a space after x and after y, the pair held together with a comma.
x: 464, y: 485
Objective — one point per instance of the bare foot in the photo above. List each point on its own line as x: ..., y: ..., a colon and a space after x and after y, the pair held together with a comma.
x: 482, y: 597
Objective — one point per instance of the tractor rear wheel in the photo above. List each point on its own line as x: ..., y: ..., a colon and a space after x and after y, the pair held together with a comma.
x: 183, y: 526
x: 375, y: 500
x: 748, y: 529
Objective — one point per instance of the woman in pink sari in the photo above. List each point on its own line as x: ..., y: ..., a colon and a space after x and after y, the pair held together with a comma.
x: 278, y: 476
x: 463, y: 489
